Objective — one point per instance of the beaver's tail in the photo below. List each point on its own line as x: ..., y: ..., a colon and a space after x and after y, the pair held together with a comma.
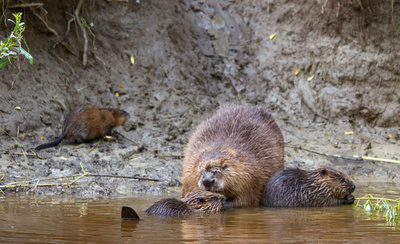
x: 129, y: 213
x: 50, y: 144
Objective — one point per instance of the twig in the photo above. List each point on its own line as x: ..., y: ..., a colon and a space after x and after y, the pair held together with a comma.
x: 12, y: 83
x: 187, y: 99
x: 46, y: 179
x: 78, y: 8
x: 69, y: 48
x: 361, y: 6
x: 85, y: 174
x: 355, y: 157
x: 377, y: 159
x: 65, y: 62
x: 320, y: 153
x: 34, y: 189
x: 124, y: 177
x: 95, y: 145
x: 68, y: 27
x: 69, y: 186
x: 80, y: 89
x: 19, y: 184
x: 30, y: 185
x: 45, y: 23
x: 27, y: 5
x: 102, y: 62
x: 392, y: 12
x: 308, y: 150
x: 28, y: 154
x: 126, y: 137
x: 0, y: 189
x: 65, y: 35
x: 315, y: 113
x: 291, y: 133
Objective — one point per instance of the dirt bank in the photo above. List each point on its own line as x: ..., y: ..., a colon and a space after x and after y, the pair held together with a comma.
x: 191, y: 56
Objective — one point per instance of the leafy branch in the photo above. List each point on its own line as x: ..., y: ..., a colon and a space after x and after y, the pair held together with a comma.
x: 11, y: 47
x: 392, y: 212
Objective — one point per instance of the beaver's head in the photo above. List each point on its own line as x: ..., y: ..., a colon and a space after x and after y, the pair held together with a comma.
x: 205, y: 201
x: 121, y: 116
x: 337, y: 183
x: 223, y: 172
x: 118, y: 116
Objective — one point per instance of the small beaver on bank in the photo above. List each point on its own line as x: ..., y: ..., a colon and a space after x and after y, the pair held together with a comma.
x: 86, y: 123
x: 294, y: 187
x: 197, y: 201
x: 234, y: 153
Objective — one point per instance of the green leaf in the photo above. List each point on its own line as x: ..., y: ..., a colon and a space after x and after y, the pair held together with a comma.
x: 5, y: 61
x: 26, y: 54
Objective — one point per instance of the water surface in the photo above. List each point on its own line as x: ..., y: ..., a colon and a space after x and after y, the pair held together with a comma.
x: 31, y: 219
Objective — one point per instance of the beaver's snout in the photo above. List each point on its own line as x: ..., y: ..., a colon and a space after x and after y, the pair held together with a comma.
x: 208, y: 180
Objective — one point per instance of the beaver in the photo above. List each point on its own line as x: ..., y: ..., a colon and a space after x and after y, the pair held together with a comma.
x: 129, y: 213
x: 234, y: 153
x: 86, y: 123
x: 197, y: 201
x: 294, y: 187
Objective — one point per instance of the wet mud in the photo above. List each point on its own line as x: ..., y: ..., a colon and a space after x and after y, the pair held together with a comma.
x: 323, y: 68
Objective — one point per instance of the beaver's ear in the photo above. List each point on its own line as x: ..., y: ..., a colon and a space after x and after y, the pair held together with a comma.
x: 323, y: 172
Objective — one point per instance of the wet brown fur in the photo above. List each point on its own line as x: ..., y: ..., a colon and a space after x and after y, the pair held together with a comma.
x: 86, y: 123
x: 294, y: 187
x: 198, y: 201
x: 239, y: 148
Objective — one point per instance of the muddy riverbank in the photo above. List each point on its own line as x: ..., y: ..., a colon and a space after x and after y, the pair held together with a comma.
x: 323, y: 69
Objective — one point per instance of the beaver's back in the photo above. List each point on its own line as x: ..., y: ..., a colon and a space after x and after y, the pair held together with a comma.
x: 171, y: 207
x: 253, y: 128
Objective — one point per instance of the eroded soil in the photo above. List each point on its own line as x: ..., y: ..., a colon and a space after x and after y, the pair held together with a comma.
x: 191, y: 56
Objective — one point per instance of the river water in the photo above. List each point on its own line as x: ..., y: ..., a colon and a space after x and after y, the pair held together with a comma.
x: 30, y: 219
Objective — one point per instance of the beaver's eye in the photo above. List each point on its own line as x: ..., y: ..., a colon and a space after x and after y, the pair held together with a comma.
x: 215, y: 198
x: 341, y: 179
x: 224, y: 166
x: 200, y: 200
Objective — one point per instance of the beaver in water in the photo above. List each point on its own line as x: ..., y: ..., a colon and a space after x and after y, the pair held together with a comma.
x: 234, y: 153
x: 197, y: 201
x: 294, y: 187
x: 86, y: 123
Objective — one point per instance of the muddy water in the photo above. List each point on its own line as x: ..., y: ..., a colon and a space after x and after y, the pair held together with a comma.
x: 67, y: 219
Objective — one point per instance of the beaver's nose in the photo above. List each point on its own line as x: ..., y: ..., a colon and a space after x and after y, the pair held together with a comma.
x: 353, y: 187
x: 208, y: 182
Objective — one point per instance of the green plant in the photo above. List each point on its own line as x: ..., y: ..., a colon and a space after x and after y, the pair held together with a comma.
x: 85, y: 25
x: 392, y: 212
x: 11, y: 47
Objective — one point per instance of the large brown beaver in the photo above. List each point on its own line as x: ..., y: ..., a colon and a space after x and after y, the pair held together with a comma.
x: 294, y: 187
x: 234, y: 153
x: 197, y: 201
x: 86, y: 123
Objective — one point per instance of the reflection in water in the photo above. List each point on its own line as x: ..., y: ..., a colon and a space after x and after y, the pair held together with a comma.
x: 44, y: 220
